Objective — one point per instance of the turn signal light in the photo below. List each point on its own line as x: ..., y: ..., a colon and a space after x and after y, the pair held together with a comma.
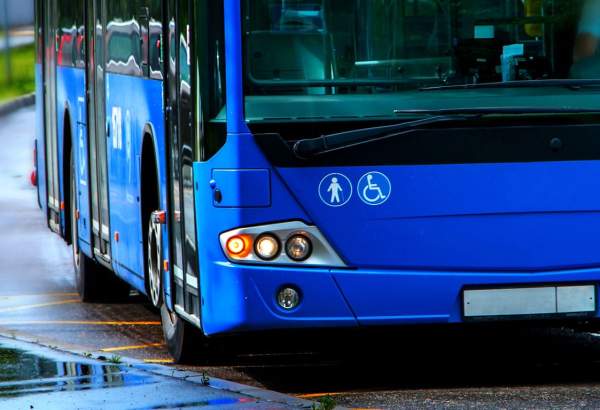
x: 239, y: 246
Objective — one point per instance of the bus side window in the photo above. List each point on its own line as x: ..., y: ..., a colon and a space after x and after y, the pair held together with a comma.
x: 124, y: 38
x: 210, y: 53
x: 155, y: 51
x: 66, y: 33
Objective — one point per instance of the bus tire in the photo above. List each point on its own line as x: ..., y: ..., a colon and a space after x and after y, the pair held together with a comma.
x: 94, y: 282
x: 153, y: 263
x: 185, y: 343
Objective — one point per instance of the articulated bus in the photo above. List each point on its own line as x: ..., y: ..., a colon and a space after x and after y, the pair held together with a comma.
x: 264, y: 165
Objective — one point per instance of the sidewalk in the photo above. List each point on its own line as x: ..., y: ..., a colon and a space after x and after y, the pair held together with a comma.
x: 36, y: 377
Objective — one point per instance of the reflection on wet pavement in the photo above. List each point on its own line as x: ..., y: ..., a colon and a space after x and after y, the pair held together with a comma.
x: 23, y: 373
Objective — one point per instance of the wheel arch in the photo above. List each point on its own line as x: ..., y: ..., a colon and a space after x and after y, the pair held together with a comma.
x: 150, y: 192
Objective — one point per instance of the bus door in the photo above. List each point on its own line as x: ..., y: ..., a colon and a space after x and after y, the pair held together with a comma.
x: 49, y: 10
x: 97, y: 126
x: 182, y: 152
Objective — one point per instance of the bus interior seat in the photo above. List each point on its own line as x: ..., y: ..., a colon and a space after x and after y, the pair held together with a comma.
x: 291, y: 56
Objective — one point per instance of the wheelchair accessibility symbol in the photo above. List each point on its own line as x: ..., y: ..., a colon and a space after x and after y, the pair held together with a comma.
x: 335, y: 190
x: 374, y: 188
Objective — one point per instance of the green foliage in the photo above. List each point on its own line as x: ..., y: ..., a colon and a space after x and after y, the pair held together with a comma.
x: 23, y: 73
x: 324, y: 403
x: 115, y: 359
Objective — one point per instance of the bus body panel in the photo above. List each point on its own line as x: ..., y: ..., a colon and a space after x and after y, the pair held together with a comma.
x: 40, y: 141
x: 70, y: 103
x: 353, y: 298
x: 501, y: 212
x: 243, y: 299
x: 494, y: 217
x: 221, y: 290
x: 417, y: 297
x: 134, y: 106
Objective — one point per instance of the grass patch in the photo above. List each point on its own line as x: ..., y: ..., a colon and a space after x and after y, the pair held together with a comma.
x: 23, y: 73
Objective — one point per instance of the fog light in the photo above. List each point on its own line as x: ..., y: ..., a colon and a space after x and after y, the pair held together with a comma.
x: 267, y: 247
x: 288, y: 298
x: 298, y: 248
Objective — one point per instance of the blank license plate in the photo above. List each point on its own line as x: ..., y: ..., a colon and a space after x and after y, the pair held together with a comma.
x: 546, y: 300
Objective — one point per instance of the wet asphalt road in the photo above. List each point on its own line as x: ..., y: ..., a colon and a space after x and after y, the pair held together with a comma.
x: 484, y: 367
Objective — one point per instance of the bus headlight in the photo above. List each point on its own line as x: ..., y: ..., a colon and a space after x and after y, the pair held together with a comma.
x: 298, y: 248
x: 267, y: 247
x: 284, y: 243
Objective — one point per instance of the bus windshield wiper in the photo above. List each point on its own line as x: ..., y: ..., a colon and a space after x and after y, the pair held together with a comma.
x: 566, y: 83
x: 307, y: 148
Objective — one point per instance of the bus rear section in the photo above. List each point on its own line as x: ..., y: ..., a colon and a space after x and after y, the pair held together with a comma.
x: 393, y: 163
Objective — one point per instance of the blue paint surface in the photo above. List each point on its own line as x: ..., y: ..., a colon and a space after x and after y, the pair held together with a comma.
x: 71, y: 120
x: 130, y: 116
x: 243, y: 188
x: 40, y: 140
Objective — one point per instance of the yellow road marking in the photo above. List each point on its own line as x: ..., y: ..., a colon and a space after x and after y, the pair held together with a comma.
x: 158, y: 360
x: 39, y: 295
x: 76, y: 322
x: 135, y: 347
x: 315, y: 395
x: 38, y: 305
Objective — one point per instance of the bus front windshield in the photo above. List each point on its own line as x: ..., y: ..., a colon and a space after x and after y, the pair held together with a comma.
x: 355, y: 58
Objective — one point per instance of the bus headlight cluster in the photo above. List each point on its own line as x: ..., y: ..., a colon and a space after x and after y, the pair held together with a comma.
x: 286, y: 243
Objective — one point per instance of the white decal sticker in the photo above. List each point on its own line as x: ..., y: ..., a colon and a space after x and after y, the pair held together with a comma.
x: 335, y: 190
x: 374, y: 188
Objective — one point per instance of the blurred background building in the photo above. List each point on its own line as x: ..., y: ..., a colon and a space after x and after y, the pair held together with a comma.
x: 19, y: 12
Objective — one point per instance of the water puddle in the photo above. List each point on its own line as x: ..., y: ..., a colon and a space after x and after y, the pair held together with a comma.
x: 24, y: 373
x: 197, y: 404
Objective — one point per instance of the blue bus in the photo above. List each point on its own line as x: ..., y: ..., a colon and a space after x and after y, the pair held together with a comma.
x: 256, y: 165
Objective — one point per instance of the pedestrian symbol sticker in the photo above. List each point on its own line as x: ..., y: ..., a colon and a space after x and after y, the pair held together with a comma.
x: 374, y: 188
x: 335, y: 190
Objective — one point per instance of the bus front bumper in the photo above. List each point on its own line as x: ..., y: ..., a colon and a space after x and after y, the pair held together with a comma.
x: 240, y: 298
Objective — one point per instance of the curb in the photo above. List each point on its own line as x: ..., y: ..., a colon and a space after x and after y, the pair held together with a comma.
x: 171, y: 372
x: 16, y: 104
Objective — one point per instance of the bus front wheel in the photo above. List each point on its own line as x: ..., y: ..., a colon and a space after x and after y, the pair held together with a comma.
x: 185, y: 343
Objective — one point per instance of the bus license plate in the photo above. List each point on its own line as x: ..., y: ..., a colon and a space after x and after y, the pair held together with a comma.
x: 543, y: 300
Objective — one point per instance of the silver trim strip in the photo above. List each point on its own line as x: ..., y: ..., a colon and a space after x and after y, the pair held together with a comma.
x: 190, y: 318
x: 178, y: 272
x: 191, y: 281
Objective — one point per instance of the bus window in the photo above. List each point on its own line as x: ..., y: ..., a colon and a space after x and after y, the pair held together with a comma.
x: 124, y: 35
x: 210, y: 52
x: 70, y: 19
x: 155, y: 44
x: 342, y: 47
